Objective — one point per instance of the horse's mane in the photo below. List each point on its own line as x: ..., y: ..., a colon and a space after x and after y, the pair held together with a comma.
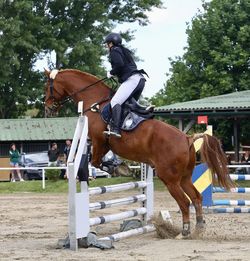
x: 84, y: 74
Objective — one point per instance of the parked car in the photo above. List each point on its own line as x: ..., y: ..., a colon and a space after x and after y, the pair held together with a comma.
x: 36, y: 159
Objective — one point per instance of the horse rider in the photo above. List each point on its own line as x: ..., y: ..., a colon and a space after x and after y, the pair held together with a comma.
x: 131, y: 79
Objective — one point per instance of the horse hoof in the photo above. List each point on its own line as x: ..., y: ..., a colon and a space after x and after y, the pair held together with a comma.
x: 186, y: 230
x: 185, y: 233
x: 200, y: 225
x: 181, y: 236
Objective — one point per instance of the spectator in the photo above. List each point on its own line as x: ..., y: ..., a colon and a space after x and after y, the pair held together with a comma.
x: 245, y: 159
x: 14, y: 159
x: 53, y: 154
x: 67, y: 150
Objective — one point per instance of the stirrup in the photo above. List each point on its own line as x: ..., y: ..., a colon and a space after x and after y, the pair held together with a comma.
x: 109, y: 133
x: 117, y: 135
x: 150, y: 107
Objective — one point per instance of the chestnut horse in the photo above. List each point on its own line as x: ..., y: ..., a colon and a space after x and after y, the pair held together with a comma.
x: 162, y: 146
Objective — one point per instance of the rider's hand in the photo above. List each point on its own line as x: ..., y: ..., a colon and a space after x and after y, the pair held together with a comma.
x: 109, y: 75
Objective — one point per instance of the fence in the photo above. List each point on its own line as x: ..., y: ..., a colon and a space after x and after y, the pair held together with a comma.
x: 36, y: 168
x: 79, y: 205
x: 229, y: 205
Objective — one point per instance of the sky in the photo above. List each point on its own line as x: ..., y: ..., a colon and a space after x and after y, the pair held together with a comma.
x: 164, y: 37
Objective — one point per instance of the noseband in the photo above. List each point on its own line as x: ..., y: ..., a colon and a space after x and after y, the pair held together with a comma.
x: 55, y: 104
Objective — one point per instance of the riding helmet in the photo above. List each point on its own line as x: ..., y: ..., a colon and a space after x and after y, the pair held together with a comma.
x: 115, y: 38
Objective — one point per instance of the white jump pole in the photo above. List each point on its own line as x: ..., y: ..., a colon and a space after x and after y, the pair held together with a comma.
x: 78, y: 202
x: 147, y: 175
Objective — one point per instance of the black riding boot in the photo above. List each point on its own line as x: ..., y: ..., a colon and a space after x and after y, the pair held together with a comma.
x: 116, y: 119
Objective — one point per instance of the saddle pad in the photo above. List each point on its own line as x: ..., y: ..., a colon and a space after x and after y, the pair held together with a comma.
x: 131, y: 121
x: 128, y: 123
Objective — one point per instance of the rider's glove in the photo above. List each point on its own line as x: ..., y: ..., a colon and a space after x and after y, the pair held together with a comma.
x: 109, y: 75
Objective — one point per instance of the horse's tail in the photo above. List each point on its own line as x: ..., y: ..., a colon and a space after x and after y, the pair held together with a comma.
x: 212, y: 154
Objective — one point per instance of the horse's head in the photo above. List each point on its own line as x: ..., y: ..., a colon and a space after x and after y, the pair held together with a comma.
x: 72, y: 84
x: 54, y: 93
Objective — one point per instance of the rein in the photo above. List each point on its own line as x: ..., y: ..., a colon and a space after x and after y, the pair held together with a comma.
x: 93, y: 107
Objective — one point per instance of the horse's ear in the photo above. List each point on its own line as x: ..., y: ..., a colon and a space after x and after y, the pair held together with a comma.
x: 47, y: 73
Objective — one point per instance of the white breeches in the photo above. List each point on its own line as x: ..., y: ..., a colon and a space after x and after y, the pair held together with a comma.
x: 125, y: 89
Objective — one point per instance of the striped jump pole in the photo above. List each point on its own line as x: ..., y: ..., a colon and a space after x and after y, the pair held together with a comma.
x: 227, y: 202
x: 129, y: 233
x: 229, y: 210
x: 116, y: 202
x: 80, y: 206
x: 117, y: 187
x: 239, y: 177
x: 233, y: 190
x: 202, y: 180
x: 82, y: 222
x: 203, y: 183
x: 146, y: 199
x: 117, y: 216
x: 79, y: 202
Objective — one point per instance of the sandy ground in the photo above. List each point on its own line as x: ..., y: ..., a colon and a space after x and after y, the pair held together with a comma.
x: 31, y: 224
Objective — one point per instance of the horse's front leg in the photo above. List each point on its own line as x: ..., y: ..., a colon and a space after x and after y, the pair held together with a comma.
x: 99, y: 150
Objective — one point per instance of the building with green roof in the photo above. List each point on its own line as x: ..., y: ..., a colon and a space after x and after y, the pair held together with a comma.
x: 233, y: 106
x: 35, y: 134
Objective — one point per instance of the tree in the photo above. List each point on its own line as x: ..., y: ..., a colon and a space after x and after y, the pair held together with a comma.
x: 216, y: 60
x: 18, y: 44
x: 74, y: 30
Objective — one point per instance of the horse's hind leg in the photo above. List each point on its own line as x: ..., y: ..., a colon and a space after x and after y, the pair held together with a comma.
x: 173, y: 184
x: 196, y: 198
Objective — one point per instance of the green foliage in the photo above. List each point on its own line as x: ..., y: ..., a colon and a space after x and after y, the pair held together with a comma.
x: 159, y: 99
x: 74, y: 30
x: 216, y: 60
x: 18, y: 44
x: 52, y: 174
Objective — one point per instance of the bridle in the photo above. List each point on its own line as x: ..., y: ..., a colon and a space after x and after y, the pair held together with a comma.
x: 94, y: 107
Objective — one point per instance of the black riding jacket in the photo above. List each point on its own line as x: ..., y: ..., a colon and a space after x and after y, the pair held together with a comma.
x: 122, y: 66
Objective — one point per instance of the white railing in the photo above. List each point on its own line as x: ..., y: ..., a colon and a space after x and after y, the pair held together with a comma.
x: 35, y: 168
x: 135, y: 167
x: 242, y: 165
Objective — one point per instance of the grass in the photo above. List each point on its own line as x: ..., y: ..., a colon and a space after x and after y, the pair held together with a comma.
x: 61, y: 186
x: 33, y: 186
x: 245, y: 183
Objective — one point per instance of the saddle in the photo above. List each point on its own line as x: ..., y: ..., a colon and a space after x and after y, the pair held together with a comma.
x: 132, y: 114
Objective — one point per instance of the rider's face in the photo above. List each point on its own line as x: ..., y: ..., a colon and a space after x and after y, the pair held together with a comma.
x: 109, y: 45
